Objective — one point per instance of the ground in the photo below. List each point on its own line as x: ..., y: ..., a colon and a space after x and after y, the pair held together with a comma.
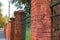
x: 2, y: 36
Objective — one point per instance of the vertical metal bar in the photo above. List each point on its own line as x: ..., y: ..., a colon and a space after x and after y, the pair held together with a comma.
x: 56, y: 28
x: 23, y: 29
x: 52, y: 24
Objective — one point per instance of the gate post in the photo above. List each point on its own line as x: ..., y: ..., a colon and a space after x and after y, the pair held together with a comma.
x: 12, y: 28
x: 40, y: 20
x: 17, y: 25
x: 19, y: 15
x: 23, y: 26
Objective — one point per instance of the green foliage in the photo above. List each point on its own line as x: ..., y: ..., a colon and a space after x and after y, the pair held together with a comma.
x: 0, y: 4
x: 1, y: 17
x: 5, y: 19
x: 1, y: 20
x: 25, y: 2
x: 19, y: 1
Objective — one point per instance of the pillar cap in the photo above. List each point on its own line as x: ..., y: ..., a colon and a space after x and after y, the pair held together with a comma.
x: 12, y: 18
x: 20, y: 12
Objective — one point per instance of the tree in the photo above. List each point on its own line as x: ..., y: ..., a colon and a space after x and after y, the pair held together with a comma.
x: 27, y: 4
x: 1, y: 20
x: 0, y: 4
x: 5, y: 19
x: 1, y: 17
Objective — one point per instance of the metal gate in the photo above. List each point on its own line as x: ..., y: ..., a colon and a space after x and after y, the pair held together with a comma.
x: 55, y: 19
x: 25, y: 27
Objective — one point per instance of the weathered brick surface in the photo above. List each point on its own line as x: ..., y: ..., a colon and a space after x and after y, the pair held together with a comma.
x: 40, y: 20
x: 12, y: 28
x: 17, y: 25
x: 18, y: 17
x: 9, y: 29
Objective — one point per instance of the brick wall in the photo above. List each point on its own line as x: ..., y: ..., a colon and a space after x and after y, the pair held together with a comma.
x: 9, y: 29
x: 17, y: 25
x: 19, y: 35
x: 13, y: 28
x: 40, y: 20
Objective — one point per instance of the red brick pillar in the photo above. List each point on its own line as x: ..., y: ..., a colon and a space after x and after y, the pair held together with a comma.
x: 40, y: 20
x: 17, y: 25
x: 18, y: 18
x: 12, y: 28
x: 8, y: 31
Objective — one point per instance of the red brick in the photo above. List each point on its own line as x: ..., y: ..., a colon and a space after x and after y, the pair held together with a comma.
x: 19, y: 15
x: 8, y: 31
x: 8, y: 28
x: 12, y: 28
x: 17, y: 25
x: 40, y: 20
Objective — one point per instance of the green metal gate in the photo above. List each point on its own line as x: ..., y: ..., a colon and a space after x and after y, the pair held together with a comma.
x: 25, y: 27
x: 55, y: 19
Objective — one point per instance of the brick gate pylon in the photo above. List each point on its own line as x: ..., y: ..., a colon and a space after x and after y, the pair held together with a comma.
x: 13, y: 29
x: 19, y: 34
x: 40, y: 20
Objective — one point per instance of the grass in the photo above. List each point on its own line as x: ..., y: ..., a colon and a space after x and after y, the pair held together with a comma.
x: 28, y: 35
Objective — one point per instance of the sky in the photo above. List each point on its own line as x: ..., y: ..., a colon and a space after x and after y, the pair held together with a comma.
x: 5, y: 8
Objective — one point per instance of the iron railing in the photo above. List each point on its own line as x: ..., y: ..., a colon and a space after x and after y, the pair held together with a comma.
x: 53, y: 4
x: 24, y: 22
